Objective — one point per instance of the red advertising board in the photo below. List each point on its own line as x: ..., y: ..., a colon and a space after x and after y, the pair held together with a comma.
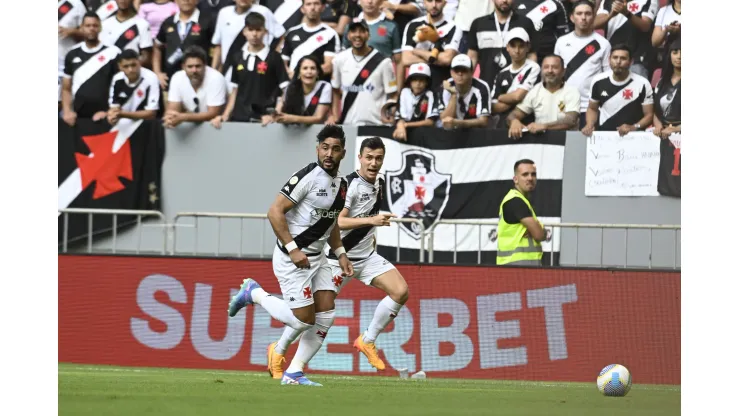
x: 461, y: 322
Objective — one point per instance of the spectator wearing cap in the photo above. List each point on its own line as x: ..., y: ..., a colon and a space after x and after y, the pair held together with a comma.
x: 432, y: 40
x: 418, y: 104
x: 466, y: 100
x: 516, y: 80
x: 629, y: 23
x: 363, y: 81
x: 183, y: 29
x: 487, y: 39
x: 585, y: 52
x: 620, y: 100
x: 550, y: 20
x: 385, y: 35
x: 555, y: 104
x: 667, y: 118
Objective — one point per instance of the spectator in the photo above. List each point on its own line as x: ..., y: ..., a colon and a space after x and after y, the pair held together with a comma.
x: 402, y: 11
x: 466, y: 100
x: 84, y: 92
x: 467, y: 12
x: 336, y: 14
x: 385, y: 35
x: 213, y: 7
x: 69, y: 33
x: 156, y: 12
x: 126, y: 30
x: 550, y: 20
x: 258, y: 77
x: 228, y: 39
x: 362, y: 79
x: 667, y: 119
x: 620, y: 99
x: 307, y: 99
x: 289, y: 13
x: 418, y: 104
x: 197, y: 93
x: 555, y: 104
x: 629, y: 23
x: 667, y: 28
x: 430, y: 40
x: 185, y: 28
x: 585, y: 52
x: 516, y: 80
x: 103, y: 8
x: 311, y: 38
x: 134, y: 91
x: 486, y: 40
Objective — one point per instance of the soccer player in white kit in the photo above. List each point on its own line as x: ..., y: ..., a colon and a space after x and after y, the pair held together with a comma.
x: 357, y: 222
x: 304, y: 217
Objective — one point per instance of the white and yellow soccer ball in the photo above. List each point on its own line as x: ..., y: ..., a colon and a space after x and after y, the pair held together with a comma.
x: 614, y: 380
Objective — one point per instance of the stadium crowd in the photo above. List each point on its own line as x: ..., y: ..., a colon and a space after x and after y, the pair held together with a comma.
x: 522, y: 65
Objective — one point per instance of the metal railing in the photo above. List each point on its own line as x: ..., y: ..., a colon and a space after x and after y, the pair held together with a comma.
x: 219, y: 216
x: 91, y: 212
x: 552, y: 226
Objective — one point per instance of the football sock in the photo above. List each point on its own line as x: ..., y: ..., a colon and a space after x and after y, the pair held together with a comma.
x: 311, y: 341
x: 289, y: 335
x: 385, y: 312
x: 278, y: 309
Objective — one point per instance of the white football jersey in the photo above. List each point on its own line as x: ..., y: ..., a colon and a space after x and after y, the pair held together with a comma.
x: 363, y: 200
x: 318, y: 199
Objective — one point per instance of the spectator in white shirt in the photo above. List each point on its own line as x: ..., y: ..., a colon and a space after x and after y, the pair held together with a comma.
x: 555, y: 104
x: 197, y: 92
x: 417, y: 105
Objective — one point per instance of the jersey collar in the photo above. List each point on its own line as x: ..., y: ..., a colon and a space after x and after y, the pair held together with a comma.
x: 261, y: 54
x: 193, y: 18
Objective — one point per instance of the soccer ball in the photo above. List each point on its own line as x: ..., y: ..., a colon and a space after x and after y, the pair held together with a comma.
x: 614, y: 380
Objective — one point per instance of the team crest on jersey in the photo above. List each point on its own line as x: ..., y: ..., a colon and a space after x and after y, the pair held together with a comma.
x: 418, y: 190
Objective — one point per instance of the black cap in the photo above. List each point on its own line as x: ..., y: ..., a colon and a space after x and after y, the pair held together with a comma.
x: 358, y: 22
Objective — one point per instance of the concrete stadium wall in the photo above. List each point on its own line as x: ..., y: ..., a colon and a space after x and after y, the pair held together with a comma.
x: 240, y: 168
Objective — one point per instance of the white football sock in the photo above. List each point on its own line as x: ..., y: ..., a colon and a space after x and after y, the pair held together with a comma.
x: 311, y: 341
x: 385, y: 312
x: 289, y: 335
x: 278, y: 309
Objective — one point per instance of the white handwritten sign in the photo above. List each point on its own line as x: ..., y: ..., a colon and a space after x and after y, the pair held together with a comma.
x: 622, y: 166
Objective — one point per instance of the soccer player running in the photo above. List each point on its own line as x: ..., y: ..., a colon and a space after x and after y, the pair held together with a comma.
x: 303, y: 217
x: 357, y: 223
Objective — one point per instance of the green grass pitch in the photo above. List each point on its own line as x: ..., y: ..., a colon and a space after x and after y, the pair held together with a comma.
x: 104, y: 390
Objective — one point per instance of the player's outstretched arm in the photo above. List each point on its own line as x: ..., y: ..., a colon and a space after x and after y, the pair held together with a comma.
x: 276, y: 215
x: 346, y: 222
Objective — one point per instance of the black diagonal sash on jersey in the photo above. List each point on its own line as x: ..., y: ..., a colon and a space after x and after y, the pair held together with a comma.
x: 319, y: 228
x: 122, y: 41
x: 144, y: 100
x: 472, y: 104
x: 418, y: 114
x: 311, y: 109
x: 64, y: 9
x: 370, y: 66
x: 355, y: 236
x: 581, y: 57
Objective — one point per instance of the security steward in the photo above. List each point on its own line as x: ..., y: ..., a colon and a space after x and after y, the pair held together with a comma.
x: 519, y: 232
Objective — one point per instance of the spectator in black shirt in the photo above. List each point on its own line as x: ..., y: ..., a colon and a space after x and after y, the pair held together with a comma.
x: 336, y: 15
x: 177, y: 33
x: 258, y: 77
x: 550, y: 19
x: 486, y: 39
x: 307, y: 99
x: 667, y: 118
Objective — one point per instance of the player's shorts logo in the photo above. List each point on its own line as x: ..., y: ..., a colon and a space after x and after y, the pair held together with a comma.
x: 418, y: 190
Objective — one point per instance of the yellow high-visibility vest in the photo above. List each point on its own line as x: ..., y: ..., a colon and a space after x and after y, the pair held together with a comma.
x: 513, y: 247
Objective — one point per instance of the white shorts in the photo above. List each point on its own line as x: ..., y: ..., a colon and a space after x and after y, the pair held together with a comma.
x: 365, y: 270
x: 298, y: 285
